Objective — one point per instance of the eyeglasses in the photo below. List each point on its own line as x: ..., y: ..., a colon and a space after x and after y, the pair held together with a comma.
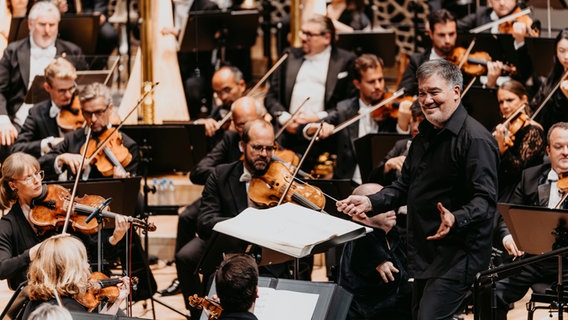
x: 98, y: 113
x: 308, y: 34
x: 259, y: 148
x: 31, y: 178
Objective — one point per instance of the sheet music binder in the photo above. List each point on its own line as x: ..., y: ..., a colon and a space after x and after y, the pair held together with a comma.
x: 333, y: 301
x: 530, y: 236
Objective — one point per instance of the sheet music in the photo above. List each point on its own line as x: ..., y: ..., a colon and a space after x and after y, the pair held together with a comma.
x: 273, y: 304
x: 289, y: 228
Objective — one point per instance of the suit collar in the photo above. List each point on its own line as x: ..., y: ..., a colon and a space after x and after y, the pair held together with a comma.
x: 23, y: 56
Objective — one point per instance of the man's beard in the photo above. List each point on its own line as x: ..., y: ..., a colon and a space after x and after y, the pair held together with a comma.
x: 259, y: 168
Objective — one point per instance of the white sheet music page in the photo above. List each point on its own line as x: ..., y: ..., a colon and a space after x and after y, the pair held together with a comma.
x: 290, y: 229
x: 273, y: 304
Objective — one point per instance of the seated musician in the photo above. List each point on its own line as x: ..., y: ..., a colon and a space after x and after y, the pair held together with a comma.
x: 96, y: 107
x: 373, y: 268
x: 41, y: 130
x: 369, y: 79
x: 60, y: 274
x: 47, y: 311
x: 538, y: 187
x: 21, y: 182
x: 16, y: 74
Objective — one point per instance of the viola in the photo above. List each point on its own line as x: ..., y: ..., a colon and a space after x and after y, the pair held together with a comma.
x: 507, y: 27
x: 70, y: 116
x: 113, y: 154
x: 266, y: 190
x: 101, y: 288
x: 49, y: 211
x: 203, y: 303
x: 476, y: 63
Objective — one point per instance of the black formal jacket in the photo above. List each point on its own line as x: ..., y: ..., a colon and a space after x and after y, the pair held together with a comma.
x: 238, y: 316
x: 456, y: 166
x: 72, y: 143
x: 378, y: 173
x: 38, y: 126
x: 15, y: 71
x: 225, y: 151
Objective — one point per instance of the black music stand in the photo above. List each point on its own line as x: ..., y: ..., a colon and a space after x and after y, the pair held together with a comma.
x: 82, y: 30
x: 541, y: 51
x: 333, y: 300
x: 499, y: 46
x: 550, y: 233
x: 482, y: 105
x: 380, y: 43
x: 372, y: 149
x: 208, y: 30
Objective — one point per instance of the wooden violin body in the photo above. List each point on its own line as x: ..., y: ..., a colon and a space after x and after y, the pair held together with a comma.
x: 476, y: 63
x: 507, y: 27
x: 101, y: 288
x: 114, y: 154
x: 389, y: 109
x: 213, y: 307
x: 70, y: 117
x: 266, y: 191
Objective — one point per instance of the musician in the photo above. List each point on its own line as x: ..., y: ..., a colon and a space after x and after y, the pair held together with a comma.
x: 96, y: 107
x: 451, y: 170
x: 21, y: 182
x: 48, y: 311
x: 236, y: 282
x: 554, y: 110
x: 319, y: 71
x: 368, y: 78
x: 373, y: 268
x: 60, y: 270
x: 26, y: 58
x: 537, y: 188
x: 527, y: 147
x: 40, y: 131
x: 244, y: 109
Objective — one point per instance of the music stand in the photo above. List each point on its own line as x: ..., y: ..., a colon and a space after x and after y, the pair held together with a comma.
x: 372, y: 148
x: 482, y: 105
x: 208, y: 30
x: 380, y: 43
x: 499, y: 46
x: 538, y: 48
x: 82, y: 30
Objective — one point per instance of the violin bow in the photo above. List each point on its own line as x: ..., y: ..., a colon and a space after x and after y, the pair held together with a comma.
x: 289, y: 121
x: 361, y: 115
x: 466, y: 54
x: 314, y: 138
x: 508, y: 18
x: 564, y: 76
x: 226, y: 118
x: 103, y: 143
x: 469, y: 84
x: 76, y: 183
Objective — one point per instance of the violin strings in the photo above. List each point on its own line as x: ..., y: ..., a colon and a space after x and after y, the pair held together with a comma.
x: 325, y: 194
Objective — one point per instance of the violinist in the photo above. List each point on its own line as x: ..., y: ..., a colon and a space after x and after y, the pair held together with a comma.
x: 555, y: 109
x: 97, y: 108
x: 21, y: 182
x: 538, y: 187
x: 520, y: 139
x: 369, y: 79
x: 61, y: 272
x: 40, y: 131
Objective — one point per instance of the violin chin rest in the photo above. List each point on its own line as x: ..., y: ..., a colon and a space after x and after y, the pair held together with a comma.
x: 41, y: 197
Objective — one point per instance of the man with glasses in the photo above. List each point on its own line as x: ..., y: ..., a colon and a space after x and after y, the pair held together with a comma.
x: 449, y: 183
x: 317, y: 70
x: 96, y: 107
x: 26, y: 58
x: 40, y: 131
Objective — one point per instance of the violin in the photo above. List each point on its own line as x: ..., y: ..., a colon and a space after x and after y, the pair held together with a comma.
x: 200, y: 303
x: 476, y: 63
x: 101, y: 288
x: 507, y: 27
x: 113, y: 154
x: 266, y: 190
x: 48, y: 211
x: 70, y: 116
x: 389, y: 109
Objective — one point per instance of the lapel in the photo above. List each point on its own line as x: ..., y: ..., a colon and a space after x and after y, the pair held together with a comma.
x: 24, y: 56
x: 292, y: 68
x: 543, y: 189
x: 238, y: 189
x: 353, y: 130
x: 48, y: 124
x: 332, y: 72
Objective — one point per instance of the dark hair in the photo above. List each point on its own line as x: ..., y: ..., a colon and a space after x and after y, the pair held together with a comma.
x: 416, y: 110
x: 364, y: 63
x: 236, y: 281
x: 250, y: 124
x: 557, y: 69
x: 439, y: 16
x: 326, y: 25
x: 515, y: 87
x: 448, y: 71
x: 561, y: 125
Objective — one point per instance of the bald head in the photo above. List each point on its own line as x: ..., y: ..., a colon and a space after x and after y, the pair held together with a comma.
x: 228, y: 84
x: 245, y: 109
x: 367, y: 189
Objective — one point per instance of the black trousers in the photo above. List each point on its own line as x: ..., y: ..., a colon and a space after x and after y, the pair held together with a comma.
x: 437, y: 299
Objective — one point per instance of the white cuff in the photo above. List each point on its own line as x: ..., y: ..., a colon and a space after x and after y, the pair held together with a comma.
x: 322, y: 114
x: 45, y: 145
x: 507, y: 238
x: 399, y: 129
x: 285, y: 116
x: 4, y: 119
